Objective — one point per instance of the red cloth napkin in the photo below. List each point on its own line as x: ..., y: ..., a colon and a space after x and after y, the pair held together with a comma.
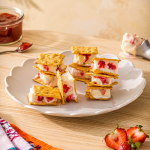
x: 38, y: 145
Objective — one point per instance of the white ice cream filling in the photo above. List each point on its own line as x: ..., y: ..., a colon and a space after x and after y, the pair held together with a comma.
x: 79, y: 59
x: 98, y: 80
x: 33, y: 98
x: 96, y: 93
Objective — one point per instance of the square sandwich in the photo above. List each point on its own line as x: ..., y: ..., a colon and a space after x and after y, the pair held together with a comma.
x: 67, y: 87
x: 50, y: 63
x: 83, y: 55
x: 43, y: 95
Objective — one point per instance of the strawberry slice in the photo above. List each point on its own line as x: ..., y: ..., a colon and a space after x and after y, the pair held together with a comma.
x: 137, y: 134
x: 111, y: 66
x: 86, y: 57
x: 101, y: 64
x: 103, y: 91
x: 124, y: 146
x: 40, y: 98
x: 46, y: 67
x: 49, y: 99
x: 70, y: 97
x: 116, y: 138
x: 65, y: 88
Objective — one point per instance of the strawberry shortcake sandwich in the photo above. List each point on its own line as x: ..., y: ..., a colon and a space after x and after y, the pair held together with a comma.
x: 100, y: 93
x: 43, y: 95
x: 105, y: 66
x: 51, y: 63
x: 83, y: 55
x: 67, y: 87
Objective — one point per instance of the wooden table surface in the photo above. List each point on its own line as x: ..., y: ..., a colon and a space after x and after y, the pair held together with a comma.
x: 85, y: 133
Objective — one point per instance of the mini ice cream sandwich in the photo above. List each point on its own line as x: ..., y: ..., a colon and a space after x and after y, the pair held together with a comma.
x: 67, y: 87
x: 105, y: 66
x: 83, y: 55
x: 79, y: 73
x: 50, y: 63
x: 45, y: 79
x: 101, y: 93
x: 101, y: 80
x: 43, y: 95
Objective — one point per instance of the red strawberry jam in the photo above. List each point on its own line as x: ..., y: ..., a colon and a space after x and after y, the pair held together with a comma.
x: 65, y: 88
x: 40, y: 98
x: 103, y: 79
x: 81, y: 73
x: 92, y: 65
x: 86, y: 57
x: 49, y: 99
x: 101, y: 64
x: 46, y: 67
x: 38, y: 74
x: 103, y: 91
x: 58, y: 69
x: 70, y: 97
x: 111, y: 66
x: 24, y: 46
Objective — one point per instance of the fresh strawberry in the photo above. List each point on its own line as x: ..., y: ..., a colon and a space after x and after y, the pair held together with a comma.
x: 124, y: 146
x: 40, y: 98
x: 101, y: 64
x: 103, y: 91
x: 137, y: 134
x: 70, y: 97
x: 116, y: 138
x: 46, y: 67
x: 65, y: 88
x: 111, y: 66
x: 49, y: 99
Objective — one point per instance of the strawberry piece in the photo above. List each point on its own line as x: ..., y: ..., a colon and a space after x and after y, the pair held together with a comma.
x: 137, y: 134
x: 58, y: 69
x: 46, y: 67
x: 81, y: 73
x: 39, y: 74
x: 111, y: 66
x: 103, y: 79
x: 124, y: 146
x: 103, y: 91
x: 92, y: 65
x: 101, y: 64
x: 65, y: 88
x: 70, y: 97
x: 49, y: 99
x: 117, y: 137
x: 86, y: 57
x: 40, y: 98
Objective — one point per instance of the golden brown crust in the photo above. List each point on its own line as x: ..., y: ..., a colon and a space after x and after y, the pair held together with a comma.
x: 104, y: 75
x: 54, y: 59
x: 88, y: 95
x: 83, y: 80
x: 41, y: 104
x: 98, y: 87
x: 98, y: 58
x: 84, y: 50
x: 47, y: 91
x: 48, y: 73
x: 109, y: 85
x: 60, y: 86
x: 97, y: 71
x: 82, y: 68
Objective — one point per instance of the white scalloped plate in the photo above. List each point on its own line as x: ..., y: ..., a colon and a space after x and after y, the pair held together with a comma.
x: 130, y: 87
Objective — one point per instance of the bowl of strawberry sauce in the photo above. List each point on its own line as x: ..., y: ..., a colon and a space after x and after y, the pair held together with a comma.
x: 11, y: 20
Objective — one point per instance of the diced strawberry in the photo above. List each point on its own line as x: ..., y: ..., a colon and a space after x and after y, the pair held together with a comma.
x: 58, y: 69
x: 103, y: 91
x: 65, y: 88
x: 111, y: 66
x: 131, y: 41
x: 70, y: 97
x: 39, y: 74
x: 124, y: 146
x: 117, y: 137
x: 92, y: 64
x: 101, y: 64
x: 49, y: 99
x: 137, y: 134
x: 103, y: 79
x: 95, y: 82
x: 46, y: 67
x: 81, y: 73
x: 86, y: 57
x: 40, y: 98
